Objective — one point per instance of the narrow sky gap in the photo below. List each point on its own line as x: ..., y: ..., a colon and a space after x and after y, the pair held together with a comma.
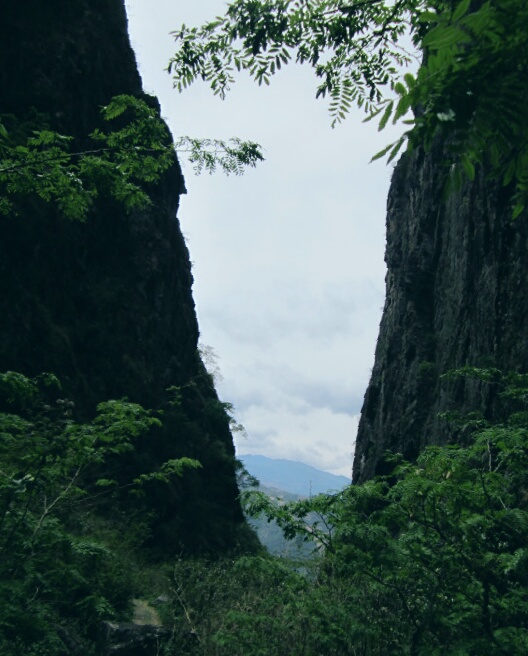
x: 288, y: 260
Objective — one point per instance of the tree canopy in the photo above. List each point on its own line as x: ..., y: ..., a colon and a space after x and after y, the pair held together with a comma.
x: 470, y: 86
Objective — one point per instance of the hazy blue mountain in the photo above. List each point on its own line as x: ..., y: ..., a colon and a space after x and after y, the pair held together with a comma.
x: 292, y: 476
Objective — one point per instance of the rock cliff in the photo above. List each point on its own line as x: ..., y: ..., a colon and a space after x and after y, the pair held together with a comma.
x: 107, y: 305
x: 456, y: 294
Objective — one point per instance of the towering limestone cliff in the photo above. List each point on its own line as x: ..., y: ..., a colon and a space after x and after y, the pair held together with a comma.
x: 456, y: 294
x: 106, y: 305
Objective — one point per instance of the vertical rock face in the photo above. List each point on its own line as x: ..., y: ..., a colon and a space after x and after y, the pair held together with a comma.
x: 107, y: 305
x: 456, y: 294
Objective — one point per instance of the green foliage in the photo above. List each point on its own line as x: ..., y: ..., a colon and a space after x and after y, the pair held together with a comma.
x: 354, y: 53
x: 39, y: 162
x: 54, y: 570
x: 237, y: 608
x: 209, y: 154
x: 429, y: 560
x: 169, y: 469
x: 471, y: 85
x: 119, y: 162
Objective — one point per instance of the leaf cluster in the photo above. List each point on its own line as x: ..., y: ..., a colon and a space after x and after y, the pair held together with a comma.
x: 432, y: 558
x: 55, y: 569
x: 232, y: 157
x: 471, y: 86
x: 354, y: 48
x: 116, y: 162
x: 120, y: 160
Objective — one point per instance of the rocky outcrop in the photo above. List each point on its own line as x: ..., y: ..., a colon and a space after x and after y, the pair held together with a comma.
x: 132, y: 639
x: 456, y: 294
x: 107, y: 305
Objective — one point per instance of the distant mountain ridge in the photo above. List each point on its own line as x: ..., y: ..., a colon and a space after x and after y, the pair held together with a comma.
x: 292, y: 476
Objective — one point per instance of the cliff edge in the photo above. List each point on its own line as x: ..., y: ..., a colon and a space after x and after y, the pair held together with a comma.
x: 456, y: 294
x: 107, y: 305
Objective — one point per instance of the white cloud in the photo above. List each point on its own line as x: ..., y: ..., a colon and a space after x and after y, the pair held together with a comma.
x: 288, y: 259
x: 316, y: 436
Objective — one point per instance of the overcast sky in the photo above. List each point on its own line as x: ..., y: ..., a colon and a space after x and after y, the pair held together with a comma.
x: 288, y: 259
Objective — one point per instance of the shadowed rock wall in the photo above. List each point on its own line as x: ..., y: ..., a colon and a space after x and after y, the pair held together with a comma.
x: 107, y: 304
x: 456, y: 294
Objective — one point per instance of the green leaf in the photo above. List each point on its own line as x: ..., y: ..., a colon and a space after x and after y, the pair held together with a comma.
x: 469, y: 167
x: 402, y: 107
x: 396, y: 149
x: 510, y: 172
x: 386, y: 115
x: 410, y: 80
x: 372, y: 115
x: 461, y: 9
x: 443, y: 37
x: 381, y: 153
x: 428, y: 17
x: 400, y: 89
x: 517, y: 210
x: 105, y: 482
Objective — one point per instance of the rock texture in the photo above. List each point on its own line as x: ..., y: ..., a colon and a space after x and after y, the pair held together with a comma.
x: 456, y: 294
x: 131, y: 639
x: 107, y: 305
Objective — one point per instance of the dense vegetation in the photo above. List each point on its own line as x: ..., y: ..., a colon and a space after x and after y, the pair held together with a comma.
x: 429, y: 559
x: 67, y: 537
